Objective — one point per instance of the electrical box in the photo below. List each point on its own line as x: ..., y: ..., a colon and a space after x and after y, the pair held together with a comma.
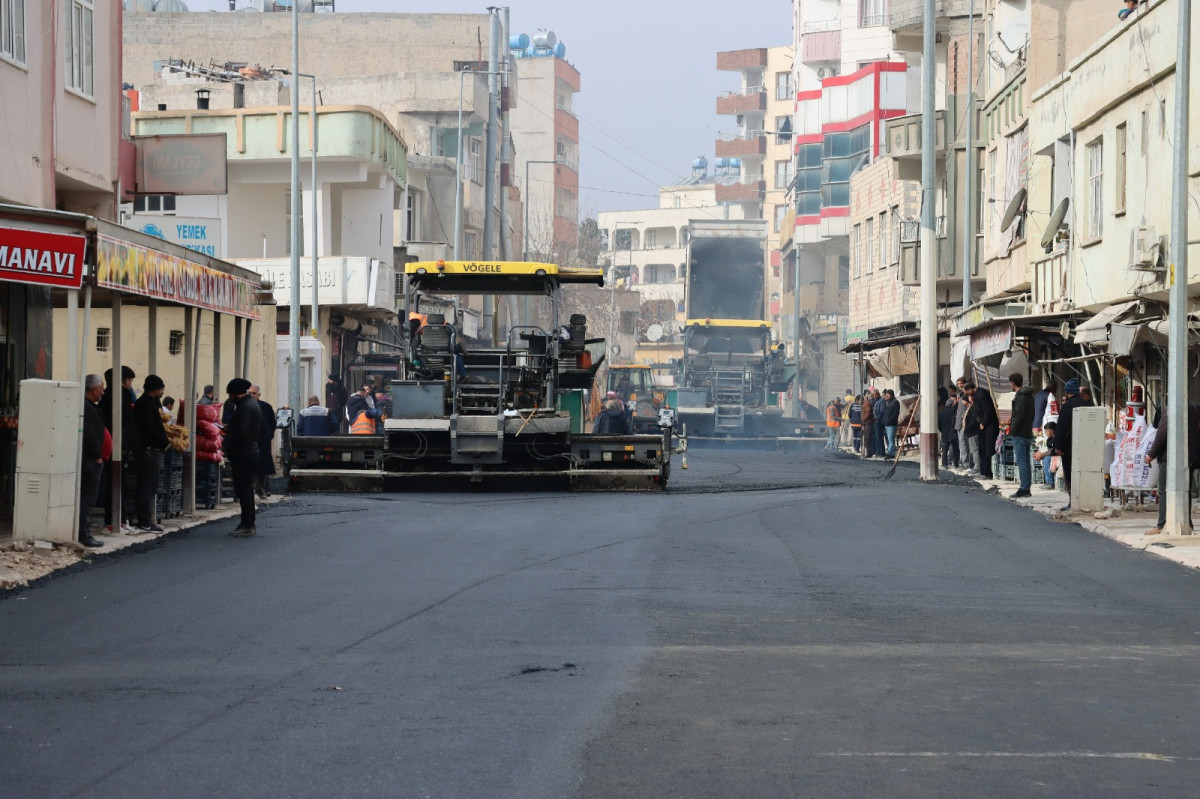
x: 46, y: 501
x: 1087, y: 459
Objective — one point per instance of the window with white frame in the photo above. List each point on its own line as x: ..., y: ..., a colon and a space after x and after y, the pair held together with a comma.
x: 1095, y: 182
x: 651, y: 239
x: 783, y: 86
x: 780, y: 213
x: 474, y: 160
x: 468, y: 246
x: 103, y: 339
x: 1122, y: 166
x: 872, y: 13
x: 869, y: 243
x: 783, y: 173
x: 855, y: 253
x: 79, y: 46
x: 12, y: 30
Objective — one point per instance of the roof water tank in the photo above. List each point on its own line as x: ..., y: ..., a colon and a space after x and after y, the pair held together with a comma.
x: 560, y: 50
x: 735, y: 163
x: 518, y: 42
x: 700, y: 163
x: 722, y: 163
x: 545, y: 39
x: 144, y: 6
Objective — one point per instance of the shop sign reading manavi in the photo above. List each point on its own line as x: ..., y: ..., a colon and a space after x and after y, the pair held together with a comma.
x: 140, y: 270
x: 48, y: 259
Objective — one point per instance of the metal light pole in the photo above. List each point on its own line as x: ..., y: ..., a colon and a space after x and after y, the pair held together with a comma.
x: 929, y: 331
x: 1178, y: 499
x: 969, y: 233
x: 314, y: 321
x: 294, y: 299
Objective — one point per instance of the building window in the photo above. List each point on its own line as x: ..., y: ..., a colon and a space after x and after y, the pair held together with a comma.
x: 627, y: 319
x: 155, y: 204
x: 783, y: 86
x: 79, y: 46
x: 103, y: 339
x: 1095, y: 183
x: 651, y: 239
x: 855, y: 243
x: 843, y: 154
x: 872, y: 13
x: 473, y: 161
x: 468, y: 246
x: 176, y: 343
x: 783, y: 173
x: 780, y: 213
x: 12, y: 30
x: 1122, y: 138
x: 869, y: 244
x: 808, y: 180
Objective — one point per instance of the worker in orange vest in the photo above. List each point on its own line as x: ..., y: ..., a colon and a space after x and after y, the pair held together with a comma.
x: 833, y: 420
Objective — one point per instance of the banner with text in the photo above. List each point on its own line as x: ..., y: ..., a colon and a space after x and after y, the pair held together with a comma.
x: 48, y: 259
x: 139, y: 270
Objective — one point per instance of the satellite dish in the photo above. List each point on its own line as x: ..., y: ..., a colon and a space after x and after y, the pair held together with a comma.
x: 1056, y: 220
x: 1015, y: 207
x: 616, y: 349
x: 654, y: 332
x: 1064, y: 330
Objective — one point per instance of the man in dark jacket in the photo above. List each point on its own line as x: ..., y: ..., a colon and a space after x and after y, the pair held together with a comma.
x: 241, y: 448
x: 1021, y: 429
x: 147, y: 415
x: 93, y: 457
x: 336, y: 397
x: 266, y: 435
x: 611, y: 421
x: 357, y: 403
x: 1062, y: 436
x: 314, y: 420
x: 946, y: 429
x: 988, y: 430
x: 1040, y: 401
x: 1158, y: 451
x: 868, y: 423
x: 889, y: 417
x: 129, y: 445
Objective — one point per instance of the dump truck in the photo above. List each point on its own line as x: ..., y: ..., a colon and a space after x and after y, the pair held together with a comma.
x: 512, y: 410
x: 731, y: 370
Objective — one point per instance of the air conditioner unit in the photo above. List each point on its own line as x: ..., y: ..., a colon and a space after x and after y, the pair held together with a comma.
x: 741, y: 120
x: 824, y: 72
x: 562, y: 148
x: 1144, y: 249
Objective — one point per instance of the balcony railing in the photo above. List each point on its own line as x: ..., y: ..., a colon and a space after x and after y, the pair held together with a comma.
x: 873, y: 21
x: 750, y: 191
x: 822, y: 25
x: 741, y: 147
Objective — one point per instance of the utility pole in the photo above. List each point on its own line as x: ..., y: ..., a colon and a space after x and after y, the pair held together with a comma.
x: 969, y: 234
x: 929, y: 331
x: 489, y: 186
x: 1178, y: 499
x: 294, y: 298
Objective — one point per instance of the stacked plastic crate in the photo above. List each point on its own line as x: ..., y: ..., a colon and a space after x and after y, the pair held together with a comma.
x: 170, y: 485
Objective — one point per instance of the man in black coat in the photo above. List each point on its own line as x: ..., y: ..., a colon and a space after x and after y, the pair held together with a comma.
x: 152, y: 436
x: 989, y: 430
x: 266, y: 435
x: 129, y: 445
x: 241, y: 449
x: 93, y: 457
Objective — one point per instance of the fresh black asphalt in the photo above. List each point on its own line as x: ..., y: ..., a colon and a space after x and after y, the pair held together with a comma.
x: 776, y: 625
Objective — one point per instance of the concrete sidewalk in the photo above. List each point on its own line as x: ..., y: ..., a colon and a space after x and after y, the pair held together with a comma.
x: 1127, y: 525
x: 23, y: 562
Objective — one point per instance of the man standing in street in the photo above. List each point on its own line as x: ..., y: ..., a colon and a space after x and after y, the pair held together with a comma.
x: 208, y: 397
x: 1062, y: 435
x: 241, y: 448
x: 833, y: 422
x: 960, y: 415
x: 266, y: 436
x: 93, y: 457
x: 988, y: 429
x: 147, y: 415
x: 868, y: 423
x: 1041, y: 401
x: 336, y: 397
x: 889, y: 417
x: 1158, y: 451
x: 1021, y: 429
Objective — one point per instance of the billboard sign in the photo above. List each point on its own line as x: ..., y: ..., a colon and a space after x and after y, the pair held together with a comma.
x: 134, y: 269
x: 47, y: 259
x: 196, y: 233
x: 191, y: 163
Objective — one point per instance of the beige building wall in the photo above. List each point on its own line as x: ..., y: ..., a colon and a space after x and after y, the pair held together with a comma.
x: 879, y: 202
x: 135, y: 333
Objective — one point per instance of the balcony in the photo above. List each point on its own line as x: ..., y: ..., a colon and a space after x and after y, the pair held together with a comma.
x: 741, y: 192
x: 738, y: 60
x: 820, y: 46
x: 904, y: 136
x: 1050, y: 281
x: 742, y: 102
x: 907, y: 16
x: 742, y: 148
x: 948, y: 267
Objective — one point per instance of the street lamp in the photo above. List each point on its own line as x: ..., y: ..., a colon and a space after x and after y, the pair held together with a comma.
x: 294, y: 300
x: 612, y: 291
x: 315, y: 225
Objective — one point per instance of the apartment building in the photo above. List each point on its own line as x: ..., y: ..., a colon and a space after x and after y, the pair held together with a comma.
x: 545, y: 144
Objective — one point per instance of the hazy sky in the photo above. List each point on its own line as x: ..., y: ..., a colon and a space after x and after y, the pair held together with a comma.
x: 648, y: 76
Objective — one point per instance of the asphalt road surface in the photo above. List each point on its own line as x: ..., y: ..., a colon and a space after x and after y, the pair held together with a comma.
x: 776, y: 625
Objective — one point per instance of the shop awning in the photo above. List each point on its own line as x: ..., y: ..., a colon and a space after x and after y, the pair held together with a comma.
x: 1021, y: 321
x: 1123, y: 338
x: 872, y: 345
x: 1095, y: 330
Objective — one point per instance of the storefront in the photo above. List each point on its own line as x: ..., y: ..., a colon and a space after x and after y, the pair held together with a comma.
x: 70, y: 265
